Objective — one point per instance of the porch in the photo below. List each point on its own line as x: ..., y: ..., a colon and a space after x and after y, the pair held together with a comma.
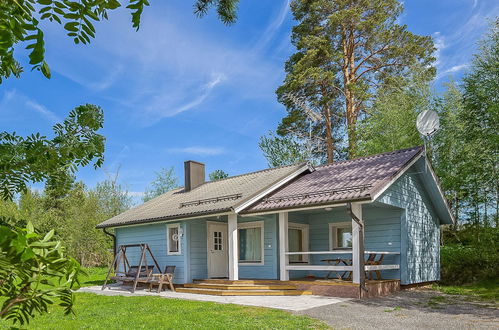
x: 319, y: 250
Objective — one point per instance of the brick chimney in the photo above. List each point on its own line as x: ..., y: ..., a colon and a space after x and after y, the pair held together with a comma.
x: 194, y: 174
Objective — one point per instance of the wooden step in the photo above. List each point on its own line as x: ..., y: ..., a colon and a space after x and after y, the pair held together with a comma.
x: 239, y: 282
x: 240, y: 286
x: 214, y: 292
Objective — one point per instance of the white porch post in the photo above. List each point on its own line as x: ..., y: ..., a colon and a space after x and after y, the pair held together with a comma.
x: 357, y: 245
x: 283, y: 246
x: 233, y: 247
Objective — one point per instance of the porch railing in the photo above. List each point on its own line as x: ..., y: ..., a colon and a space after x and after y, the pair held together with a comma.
x: 338, y: 267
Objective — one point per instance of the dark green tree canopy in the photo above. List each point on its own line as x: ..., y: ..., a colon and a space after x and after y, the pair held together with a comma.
x: 21, y: 21
x: 217, y: 175
x: 345, y: 51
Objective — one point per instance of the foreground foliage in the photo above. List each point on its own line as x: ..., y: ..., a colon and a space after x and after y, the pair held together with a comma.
x: 35, y: 272
x: 118, y: 312
x: 36, y: 158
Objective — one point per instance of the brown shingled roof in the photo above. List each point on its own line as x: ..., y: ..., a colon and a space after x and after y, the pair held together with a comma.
x: 209, y: 198
x: 356, y: 179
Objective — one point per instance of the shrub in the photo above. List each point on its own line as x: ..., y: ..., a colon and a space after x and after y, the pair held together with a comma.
x: 471, y: 256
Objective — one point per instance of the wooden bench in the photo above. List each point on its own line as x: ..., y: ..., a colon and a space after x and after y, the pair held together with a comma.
x: 164, y: 278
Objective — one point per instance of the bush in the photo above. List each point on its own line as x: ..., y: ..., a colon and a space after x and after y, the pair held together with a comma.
x: 471, y: 256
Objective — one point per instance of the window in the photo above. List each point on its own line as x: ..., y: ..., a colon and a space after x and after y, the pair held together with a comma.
x: 251, y: 242
x: 218, y: 241
x: 340, y: 235
x: 173, y: 238
x: 298, y: 242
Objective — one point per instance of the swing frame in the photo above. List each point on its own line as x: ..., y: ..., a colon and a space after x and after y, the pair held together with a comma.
x: 121, y: 257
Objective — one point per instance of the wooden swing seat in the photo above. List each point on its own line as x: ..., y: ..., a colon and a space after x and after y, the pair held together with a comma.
x: 131, y: 274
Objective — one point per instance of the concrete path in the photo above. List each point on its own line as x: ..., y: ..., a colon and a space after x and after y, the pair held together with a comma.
x: 290, y: 303
x: 418, y: 309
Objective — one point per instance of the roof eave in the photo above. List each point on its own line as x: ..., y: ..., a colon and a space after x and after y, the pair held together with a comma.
x: 166, y: 219
x: 366, y: 199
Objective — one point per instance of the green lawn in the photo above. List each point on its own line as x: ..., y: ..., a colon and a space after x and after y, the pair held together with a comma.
x: 488, y: 290
x: 118, y: 312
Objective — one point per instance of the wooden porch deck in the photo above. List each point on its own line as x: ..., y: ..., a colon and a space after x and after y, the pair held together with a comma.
x: 294, y: 287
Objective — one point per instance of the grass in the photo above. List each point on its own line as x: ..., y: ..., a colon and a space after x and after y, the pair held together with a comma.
x: 487, y: 290
x: 93, y: 276
x: 119, y: 312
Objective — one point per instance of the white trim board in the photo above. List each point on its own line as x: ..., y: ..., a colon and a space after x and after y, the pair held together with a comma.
x: 272, y: 188
x: 247, y: 225
x: 395, y: 178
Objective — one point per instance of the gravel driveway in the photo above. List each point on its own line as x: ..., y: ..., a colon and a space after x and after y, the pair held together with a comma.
x: 414, y: 309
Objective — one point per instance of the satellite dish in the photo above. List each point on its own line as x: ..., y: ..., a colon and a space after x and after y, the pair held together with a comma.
x: 427, y: 122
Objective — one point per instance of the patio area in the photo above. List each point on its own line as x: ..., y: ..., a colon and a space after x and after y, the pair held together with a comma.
x: 298, y: 303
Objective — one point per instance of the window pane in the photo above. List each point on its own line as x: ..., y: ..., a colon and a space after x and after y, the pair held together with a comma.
x: 295, y: 244
x: 172, y: 244
x: 250, y: 244
x: 344, y: 237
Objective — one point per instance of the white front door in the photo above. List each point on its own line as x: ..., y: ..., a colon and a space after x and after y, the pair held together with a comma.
x: 217, y: 250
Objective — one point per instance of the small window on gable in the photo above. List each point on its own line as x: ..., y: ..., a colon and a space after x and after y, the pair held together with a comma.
x: 173, y: 238
x: 340, y: 235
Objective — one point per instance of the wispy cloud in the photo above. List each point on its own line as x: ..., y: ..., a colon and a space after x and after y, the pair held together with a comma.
x: 456, y: 46
x: 200, y: 151
x: 173, y: 72
x: 136, y: 193
x: 42, y: 110
x: 15, y: 104
x: 169, y: 105
x: 273, y: 27
x: 454, y: 69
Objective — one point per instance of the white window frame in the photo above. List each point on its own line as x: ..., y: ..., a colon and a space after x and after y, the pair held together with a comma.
x: 333, y: 226
x: 304, y: 237
x: 247, y: 225
x: 179, y: 231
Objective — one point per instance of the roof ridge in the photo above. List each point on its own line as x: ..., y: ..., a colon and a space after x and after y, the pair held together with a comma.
x: 372, y: 156
x: 259, y: 171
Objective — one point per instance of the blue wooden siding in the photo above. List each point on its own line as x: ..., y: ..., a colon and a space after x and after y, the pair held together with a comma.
x: 420, y: 235
x: 198, y: 257
x: 155, y: 236
x: 269, y: 269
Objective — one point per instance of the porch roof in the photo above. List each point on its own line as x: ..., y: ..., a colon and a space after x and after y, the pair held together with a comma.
x: 350, y: 180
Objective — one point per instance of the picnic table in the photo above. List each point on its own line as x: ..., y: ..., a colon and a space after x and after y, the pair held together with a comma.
x: 371, y: 260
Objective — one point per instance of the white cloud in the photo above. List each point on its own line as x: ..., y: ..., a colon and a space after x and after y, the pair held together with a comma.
x: 439, y: 41
x: 455, y: 68
x: 135, y: 193
x: 15, y: 105
x: 171, y: 65
x: 200, y: 151
x: 42, y: 110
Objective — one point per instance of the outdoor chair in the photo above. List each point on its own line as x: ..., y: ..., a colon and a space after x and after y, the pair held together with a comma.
x: 165, y: 278
x: 371, y: 261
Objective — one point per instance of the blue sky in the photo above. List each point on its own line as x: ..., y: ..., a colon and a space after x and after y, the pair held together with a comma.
x: 187, y: 88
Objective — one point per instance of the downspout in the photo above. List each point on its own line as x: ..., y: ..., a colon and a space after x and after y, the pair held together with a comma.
x: 362, y: 275
x: 114, y: 240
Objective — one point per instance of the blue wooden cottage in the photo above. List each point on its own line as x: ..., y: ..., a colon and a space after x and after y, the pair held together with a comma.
x: 376, y: 218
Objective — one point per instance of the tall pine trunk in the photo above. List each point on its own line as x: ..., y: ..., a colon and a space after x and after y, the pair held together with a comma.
x: 329, y: 137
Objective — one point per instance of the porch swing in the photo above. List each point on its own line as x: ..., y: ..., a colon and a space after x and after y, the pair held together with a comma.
x: 143, y: 273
